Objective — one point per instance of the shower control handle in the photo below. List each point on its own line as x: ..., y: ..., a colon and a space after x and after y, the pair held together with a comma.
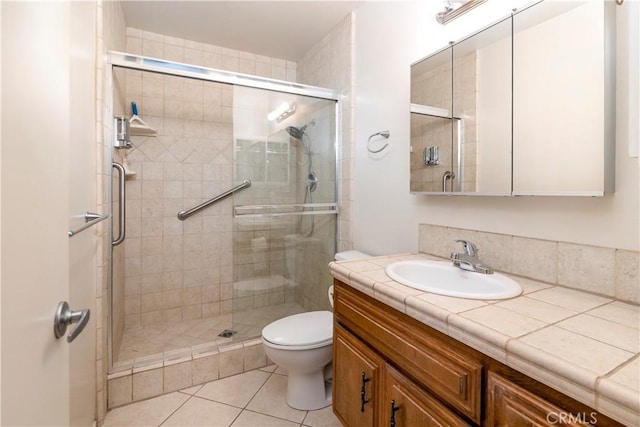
x: 65, y: 317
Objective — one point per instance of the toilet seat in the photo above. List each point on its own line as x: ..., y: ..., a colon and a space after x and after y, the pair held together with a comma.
x: 300, y: 331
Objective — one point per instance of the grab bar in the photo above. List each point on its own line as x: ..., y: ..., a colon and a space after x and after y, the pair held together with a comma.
x: 182, y: 215
x: 90, y: 219
x: 121, y: 217
x: 448, y: 175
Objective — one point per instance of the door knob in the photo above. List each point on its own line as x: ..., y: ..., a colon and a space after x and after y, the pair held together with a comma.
x: 65, y: 317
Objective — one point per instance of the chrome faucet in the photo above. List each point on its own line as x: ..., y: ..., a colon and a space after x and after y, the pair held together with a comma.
x: 469, y: 259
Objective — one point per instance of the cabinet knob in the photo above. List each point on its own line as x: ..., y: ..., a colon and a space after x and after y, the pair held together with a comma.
x: 363, y: 391
x: 394, y: 409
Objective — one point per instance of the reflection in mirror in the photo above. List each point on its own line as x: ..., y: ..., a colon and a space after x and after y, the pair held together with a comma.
x: 482, y: 101
x: 431, y: 123
x: 461, y: 110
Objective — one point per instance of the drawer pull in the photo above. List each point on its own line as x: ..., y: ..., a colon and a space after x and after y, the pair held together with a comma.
x: 462, y: 386
x: 394, y: 409
x: 363, y: 392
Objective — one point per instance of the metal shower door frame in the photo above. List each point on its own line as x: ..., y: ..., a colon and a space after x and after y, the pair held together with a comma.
x: 177, y: 69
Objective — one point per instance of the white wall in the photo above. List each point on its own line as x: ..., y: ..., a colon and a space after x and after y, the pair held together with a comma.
x: 389, y: 37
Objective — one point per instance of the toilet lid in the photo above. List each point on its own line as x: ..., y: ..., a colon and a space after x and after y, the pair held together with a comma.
x: 301, y: 329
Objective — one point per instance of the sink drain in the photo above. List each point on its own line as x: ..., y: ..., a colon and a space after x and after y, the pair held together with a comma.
x: 227, y: 333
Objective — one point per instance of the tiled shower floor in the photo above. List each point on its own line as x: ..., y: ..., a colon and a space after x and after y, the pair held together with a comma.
x: 140, y: 341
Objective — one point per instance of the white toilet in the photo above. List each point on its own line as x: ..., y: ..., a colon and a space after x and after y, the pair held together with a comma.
x: 303, y: 345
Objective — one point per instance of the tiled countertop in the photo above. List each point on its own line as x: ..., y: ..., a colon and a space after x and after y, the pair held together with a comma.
x: 584, y: 345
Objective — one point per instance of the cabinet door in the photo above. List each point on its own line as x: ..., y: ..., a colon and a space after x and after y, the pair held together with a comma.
x: 511, y: 405
x: 406, y: 405
x: 356, y: 380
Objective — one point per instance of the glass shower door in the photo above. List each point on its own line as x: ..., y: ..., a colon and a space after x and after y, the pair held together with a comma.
x: 284, y: 228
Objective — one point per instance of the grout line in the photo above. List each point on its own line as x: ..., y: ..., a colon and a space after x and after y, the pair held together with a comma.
x: 176, y: 410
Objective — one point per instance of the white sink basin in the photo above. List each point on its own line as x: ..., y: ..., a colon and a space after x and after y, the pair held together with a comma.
x: 443, y: 278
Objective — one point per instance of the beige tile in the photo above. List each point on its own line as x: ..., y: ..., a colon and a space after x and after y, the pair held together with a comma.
x: 360, y: 265
x: 454, y: 305
x: 254, y: 356
x: 271, y: 400
x: 628, y: 276
x: 202, y: 412
x: 537, y: 259
x: 628, y: 376
x: 253, y: 419
x: 569, y: 298
x: 604, y: 331
x: 236, y: 390
x: 495, y: 250
x: 528, y: 286
x: 150, y: 412
x: 427, y: 313
x: 120, y: 391
x: 589, y: 268
x: 619, y: 312
x: 147, y: 384
x: 231, y: 361
x: 540, y: 310
x: 504, y: 321
x: 433, y: 239
x: 177, y: 376
x: 322, y: 418
x: 205, y: 369
x: 577, y: 349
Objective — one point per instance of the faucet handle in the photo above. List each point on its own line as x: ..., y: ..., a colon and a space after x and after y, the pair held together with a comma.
x: 469, y: 248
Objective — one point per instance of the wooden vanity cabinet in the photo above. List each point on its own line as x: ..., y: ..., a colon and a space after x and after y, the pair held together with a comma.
x: 360, y: 373
x: 392, y: 370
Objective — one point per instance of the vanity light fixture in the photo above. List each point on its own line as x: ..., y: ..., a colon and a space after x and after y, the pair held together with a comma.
x: 283, y: 111
x: 455, y: 8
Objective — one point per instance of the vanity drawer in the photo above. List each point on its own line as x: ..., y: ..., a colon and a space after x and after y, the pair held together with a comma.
x: 450, y: 373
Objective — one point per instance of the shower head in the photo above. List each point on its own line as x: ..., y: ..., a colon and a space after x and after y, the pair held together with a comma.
x: 299, y: 133
x: 296, y: 133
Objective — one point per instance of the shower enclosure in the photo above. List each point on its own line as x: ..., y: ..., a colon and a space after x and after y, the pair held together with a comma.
x: 220, y: 273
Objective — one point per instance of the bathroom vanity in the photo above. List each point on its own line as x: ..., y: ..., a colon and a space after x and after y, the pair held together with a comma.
x: 395, y: 369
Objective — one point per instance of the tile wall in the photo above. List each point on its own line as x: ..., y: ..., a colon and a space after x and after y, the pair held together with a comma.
x: 178, y: 269
x: 606, y: 271
x: 329, y: 64
x: 183, y: 369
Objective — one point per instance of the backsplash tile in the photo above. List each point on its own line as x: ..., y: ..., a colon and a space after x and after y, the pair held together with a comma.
x: 587, y: 267
x: 534, y: 258
x: 607, y: 271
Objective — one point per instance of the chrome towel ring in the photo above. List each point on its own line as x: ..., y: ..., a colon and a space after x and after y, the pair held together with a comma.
x: 385, y: 134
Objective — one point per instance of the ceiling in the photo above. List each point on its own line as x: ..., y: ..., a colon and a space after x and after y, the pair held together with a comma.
x: 281, y: 29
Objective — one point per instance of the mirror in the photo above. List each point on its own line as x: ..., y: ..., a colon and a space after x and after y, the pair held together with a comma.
x: 562, y: 128
x: 538, y: 122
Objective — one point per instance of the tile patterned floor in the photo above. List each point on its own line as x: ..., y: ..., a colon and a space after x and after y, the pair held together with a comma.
x: 252, y: 399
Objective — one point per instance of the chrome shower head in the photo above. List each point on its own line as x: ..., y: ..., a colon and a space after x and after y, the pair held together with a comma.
x: 296, y: 133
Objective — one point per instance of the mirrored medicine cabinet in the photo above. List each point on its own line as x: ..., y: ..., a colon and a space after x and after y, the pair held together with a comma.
x: 522, y: 107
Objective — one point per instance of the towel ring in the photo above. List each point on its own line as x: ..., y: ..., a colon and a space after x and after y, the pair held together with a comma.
x: 385, y: 134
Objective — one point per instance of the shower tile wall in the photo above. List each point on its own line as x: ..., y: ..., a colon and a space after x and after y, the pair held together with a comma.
x: 177, y: 270
x: 329, y: 64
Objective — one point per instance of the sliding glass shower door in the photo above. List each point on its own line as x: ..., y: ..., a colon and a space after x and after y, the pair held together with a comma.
x: 285, y: 223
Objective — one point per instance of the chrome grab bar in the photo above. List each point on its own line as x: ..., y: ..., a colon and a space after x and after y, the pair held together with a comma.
x: 448, y: 175
x: 182, y: 215
x: 90, y: 220
x: 122, y: 212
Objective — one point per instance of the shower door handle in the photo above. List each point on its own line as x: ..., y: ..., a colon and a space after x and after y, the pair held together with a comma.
x: 121, y: 198
x: 65, y: 317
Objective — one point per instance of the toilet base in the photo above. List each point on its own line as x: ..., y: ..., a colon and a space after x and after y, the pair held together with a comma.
x: 308, y: 392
